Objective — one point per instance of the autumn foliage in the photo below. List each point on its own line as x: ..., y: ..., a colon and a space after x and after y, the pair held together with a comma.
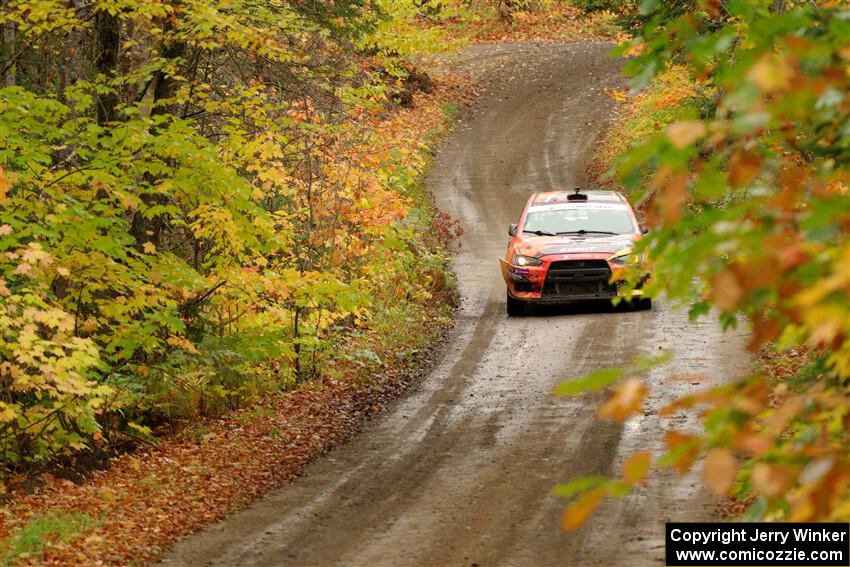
x: 744, y: 181
x: 200, y: 203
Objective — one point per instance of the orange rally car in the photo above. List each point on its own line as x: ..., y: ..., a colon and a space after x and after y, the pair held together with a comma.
x: 569, y: 246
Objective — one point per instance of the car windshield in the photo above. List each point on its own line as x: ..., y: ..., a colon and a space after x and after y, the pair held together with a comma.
x: 580, y: 220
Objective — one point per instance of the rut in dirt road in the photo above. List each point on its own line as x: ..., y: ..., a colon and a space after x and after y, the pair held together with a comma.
x: 461, y: 471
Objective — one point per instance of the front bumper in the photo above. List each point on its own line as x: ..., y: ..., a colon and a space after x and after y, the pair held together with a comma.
x: 580, y: 284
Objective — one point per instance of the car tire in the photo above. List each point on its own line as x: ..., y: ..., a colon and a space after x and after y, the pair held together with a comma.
x: 515, y: 307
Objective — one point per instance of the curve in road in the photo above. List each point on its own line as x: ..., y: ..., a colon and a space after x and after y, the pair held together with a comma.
x: 461, y: 470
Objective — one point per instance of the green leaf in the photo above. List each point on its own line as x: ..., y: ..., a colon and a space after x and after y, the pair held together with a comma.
x: 578, y: 485
x: 596, y: 380
x: 756, y: 511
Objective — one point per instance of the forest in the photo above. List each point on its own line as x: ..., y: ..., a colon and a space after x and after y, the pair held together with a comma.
x: 209, y: 206
x: 197, y: 207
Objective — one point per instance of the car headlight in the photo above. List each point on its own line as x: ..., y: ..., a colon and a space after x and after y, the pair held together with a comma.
x: 520, y: 260
x: 626, y: 260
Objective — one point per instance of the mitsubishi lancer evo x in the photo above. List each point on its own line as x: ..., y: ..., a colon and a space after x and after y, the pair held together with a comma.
x: 569, y: 246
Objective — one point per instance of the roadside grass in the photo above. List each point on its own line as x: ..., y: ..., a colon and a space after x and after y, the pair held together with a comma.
x: 604, y: 24
x: 452, y: 112
x: 41, y: 531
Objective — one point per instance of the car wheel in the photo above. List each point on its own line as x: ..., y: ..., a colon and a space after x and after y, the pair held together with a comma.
x: 515, y: 307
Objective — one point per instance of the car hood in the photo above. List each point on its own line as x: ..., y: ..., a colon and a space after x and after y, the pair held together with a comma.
x: 574, y: 244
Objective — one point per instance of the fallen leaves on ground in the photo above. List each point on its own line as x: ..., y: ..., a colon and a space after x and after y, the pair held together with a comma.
x: 556, y: 23
x: 150, y: 498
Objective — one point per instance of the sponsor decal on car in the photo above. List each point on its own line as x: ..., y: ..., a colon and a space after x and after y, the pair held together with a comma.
x: 575, y: 206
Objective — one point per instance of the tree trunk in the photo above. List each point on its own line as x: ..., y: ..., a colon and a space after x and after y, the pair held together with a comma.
x: 108, y: 28
x: 146, y: 229
x: 9, y: 50
x: 165, y: 86
x: 74, y: 56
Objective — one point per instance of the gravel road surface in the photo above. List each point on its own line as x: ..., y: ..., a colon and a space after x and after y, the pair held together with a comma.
x: 460, y: 471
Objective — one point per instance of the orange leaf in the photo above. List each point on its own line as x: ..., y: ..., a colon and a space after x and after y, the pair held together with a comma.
x: 626, y: 400
x: 683, y: 134
x: 719, y: 471
x: 674, y: 195
x: 792, y: 256
x: 726, y: 290
x: 713, y: 7
x: 770, y: 480
x: 753, y: 398
x: 743, y: 167
x: 761, y: 271
x: 636, y: 467
x: 765, y: 328
x: 674, y: 440
x: 802, y: 508
x: 4, y: 188
x: 777, y: 421
x: 577, y: 513
x: 758, y: 445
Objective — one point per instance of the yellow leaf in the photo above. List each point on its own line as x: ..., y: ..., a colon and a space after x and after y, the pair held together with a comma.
x: 149, y: 247
x: 182, y: 342
x: 719, y: 471
x: 618, y: 95
x: 683, y: 134
x: 577, y: 513
x: 636, y: 467
x: 820, y: 289
x: 7, y: 413
x: 768, y: 74
x: 825, y: 323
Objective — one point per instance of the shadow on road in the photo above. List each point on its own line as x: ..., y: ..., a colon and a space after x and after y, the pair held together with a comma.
x: 580, y: 308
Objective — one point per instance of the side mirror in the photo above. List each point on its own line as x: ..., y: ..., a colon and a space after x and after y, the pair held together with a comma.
x: 512, y: 230
x: 643, y: 230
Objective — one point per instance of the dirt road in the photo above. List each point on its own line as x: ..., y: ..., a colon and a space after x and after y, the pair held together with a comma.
x: 460, y: 472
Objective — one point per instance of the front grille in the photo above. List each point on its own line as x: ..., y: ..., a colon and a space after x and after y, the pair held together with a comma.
x: 578, y: 271
x: 586, y: 279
